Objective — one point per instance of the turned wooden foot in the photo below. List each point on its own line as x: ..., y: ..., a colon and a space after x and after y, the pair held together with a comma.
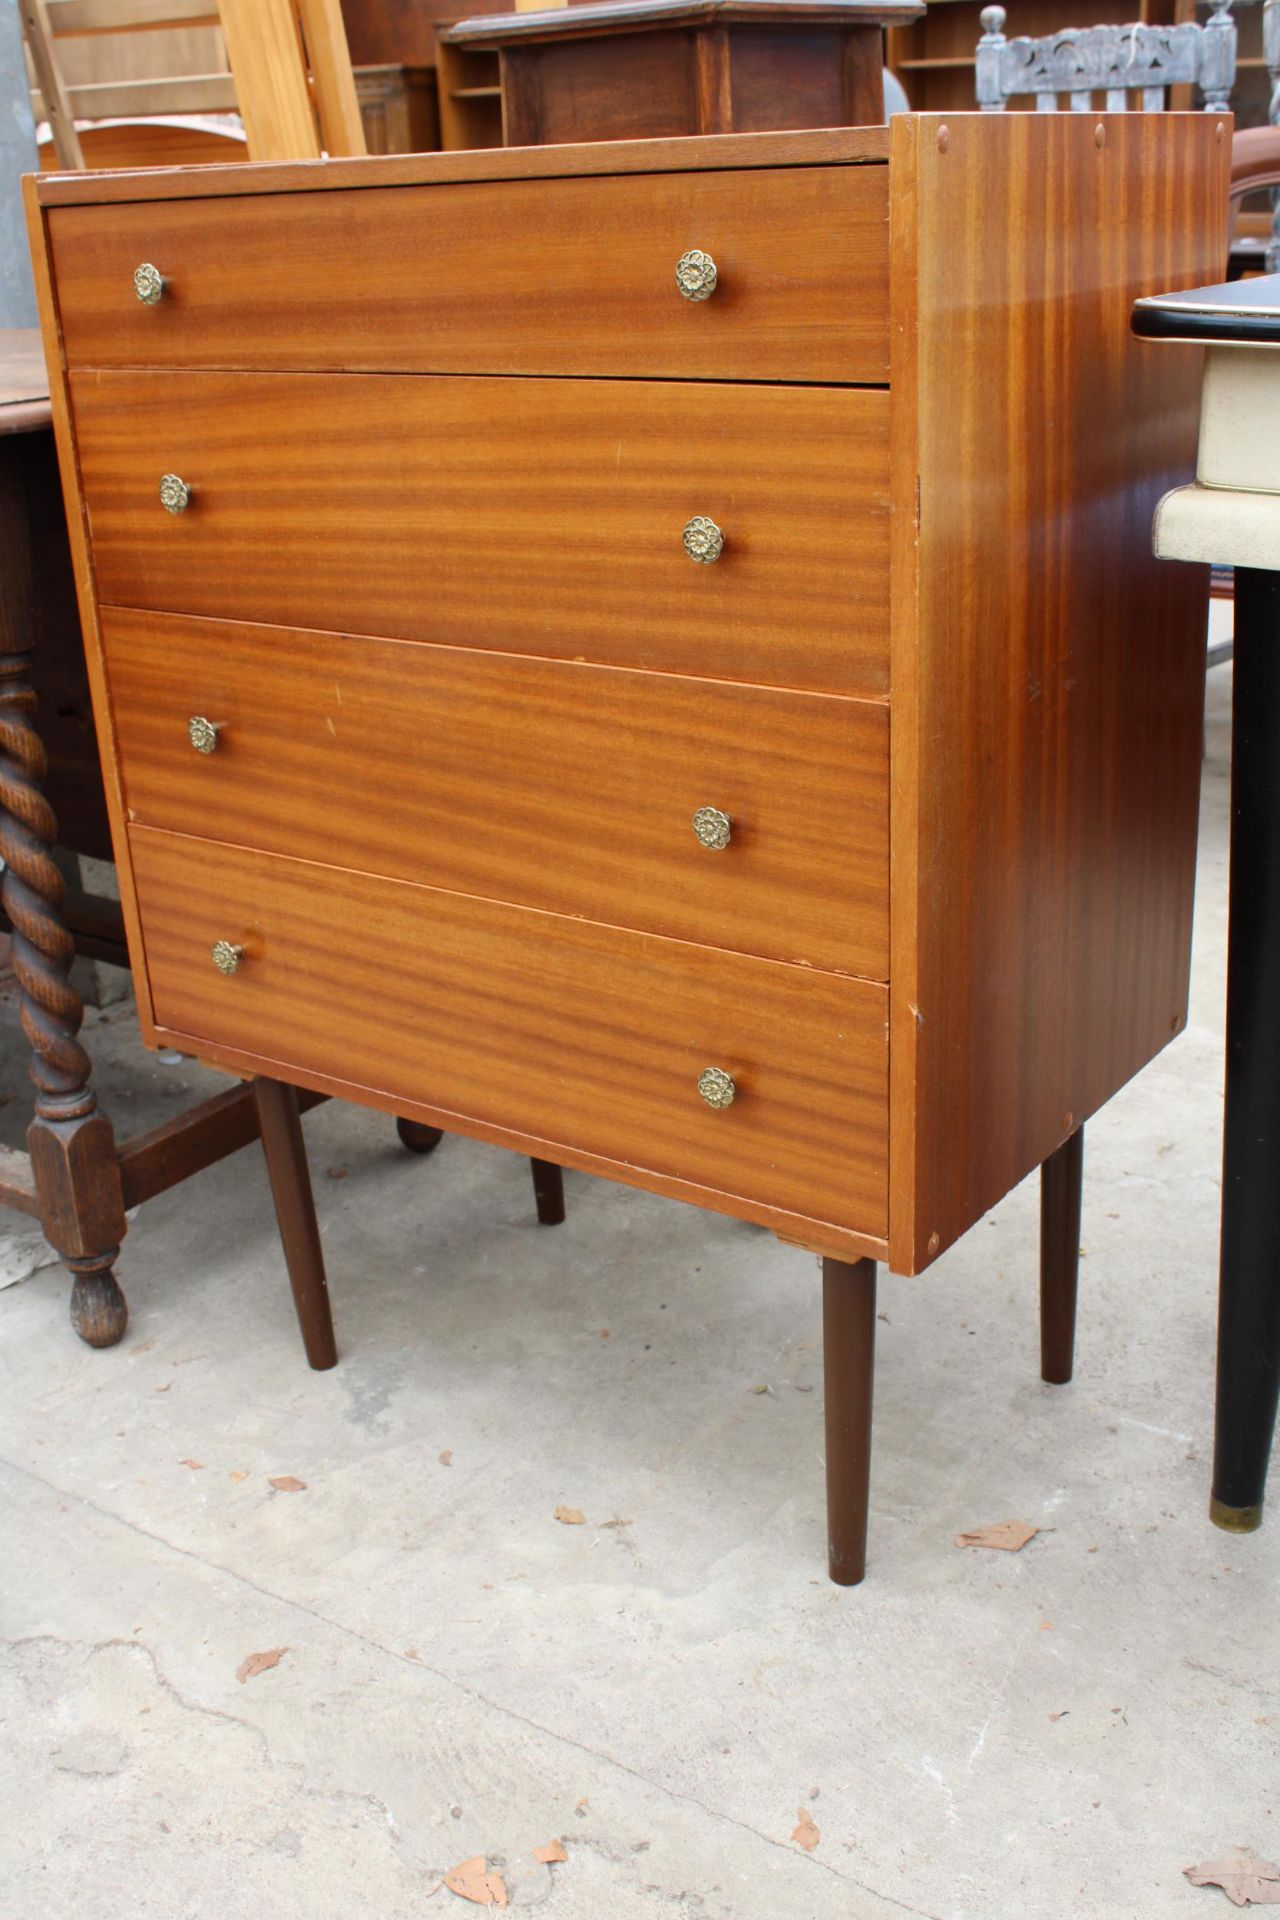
x: 1061, y: 1184
x: 849, y: 1347
x: 417, y: 1137
x: 99, y: 1311
x: 76, y: 1172
x: 286, y: 1157
x: 548, y: 1192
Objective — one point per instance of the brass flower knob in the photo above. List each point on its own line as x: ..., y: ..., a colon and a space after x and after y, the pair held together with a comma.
x: 148, y: 284
x: 703, y: 540
x: 716, y: 1087
x: 175, y: 494
x: 696, y: 274
x: 226, y: 958
x: 713, y: 828
x: 202, y: 733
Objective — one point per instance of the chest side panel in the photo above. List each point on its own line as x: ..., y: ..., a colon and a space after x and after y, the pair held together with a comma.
x: 1048, y: 673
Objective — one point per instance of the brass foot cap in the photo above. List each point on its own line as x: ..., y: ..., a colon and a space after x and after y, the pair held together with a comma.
x: 1235, y: 1519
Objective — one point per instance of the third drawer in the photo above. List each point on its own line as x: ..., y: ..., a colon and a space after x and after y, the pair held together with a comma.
x: 546, y: 783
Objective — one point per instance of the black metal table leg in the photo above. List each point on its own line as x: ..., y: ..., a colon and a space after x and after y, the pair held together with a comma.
x: 1249, y: 1306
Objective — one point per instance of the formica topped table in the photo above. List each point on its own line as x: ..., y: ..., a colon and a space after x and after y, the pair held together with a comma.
x: 1231, y: 517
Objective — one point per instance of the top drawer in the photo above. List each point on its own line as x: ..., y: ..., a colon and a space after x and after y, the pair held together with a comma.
x: 569, y: 276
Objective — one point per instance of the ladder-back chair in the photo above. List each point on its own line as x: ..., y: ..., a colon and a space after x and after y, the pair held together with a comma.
x: 289, y: 80
x: 1115, y: 62
x: 1124, y: 65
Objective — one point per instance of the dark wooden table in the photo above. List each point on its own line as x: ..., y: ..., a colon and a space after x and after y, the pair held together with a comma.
x: 74, y: 1178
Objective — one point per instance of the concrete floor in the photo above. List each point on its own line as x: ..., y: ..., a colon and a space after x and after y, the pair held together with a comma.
x: 667, y: 1686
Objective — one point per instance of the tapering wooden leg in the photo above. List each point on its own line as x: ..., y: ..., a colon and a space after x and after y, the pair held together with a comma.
x: 286, y: 1156
x: 74, y: 1168
x: 849, y: 1358
x: 548, y: 1191
x: 1061, y: 1184
x: 417, y: 1137
x: 548, y: 1181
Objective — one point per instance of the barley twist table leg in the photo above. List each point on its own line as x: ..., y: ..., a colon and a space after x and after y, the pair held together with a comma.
x: 72, y: 1145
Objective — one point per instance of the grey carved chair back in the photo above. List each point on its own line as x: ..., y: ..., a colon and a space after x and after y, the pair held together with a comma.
x: 1116, y: 62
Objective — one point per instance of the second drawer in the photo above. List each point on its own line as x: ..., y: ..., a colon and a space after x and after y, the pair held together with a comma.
x: 545, y: 783
x: 553, y: 517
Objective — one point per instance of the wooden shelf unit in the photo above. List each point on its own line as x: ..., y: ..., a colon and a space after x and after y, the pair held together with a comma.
x: 470, y: 98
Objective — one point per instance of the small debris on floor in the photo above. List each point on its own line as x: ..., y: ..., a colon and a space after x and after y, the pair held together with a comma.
x: 255, y: 1663
x: 805, y: 1834
x: 1246, y: 1880
x: 473, y: 1881
x: 570, y: 1517
x: 1009, y: 1536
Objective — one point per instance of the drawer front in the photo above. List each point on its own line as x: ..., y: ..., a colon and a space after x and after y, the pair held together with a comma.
x: 566, y: 787
x: 526, y: 516
x: 581, y: 1035
x: 533, y: 276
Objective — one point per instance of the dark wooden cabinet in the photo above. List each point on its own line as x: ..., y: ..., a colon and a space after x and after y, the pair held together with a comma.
x: 652, y: 69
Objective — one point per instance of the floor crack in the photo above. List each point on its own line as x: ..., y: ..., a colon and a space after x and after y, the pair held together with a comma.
x: 187, y: 1705
x: 446, y: 1679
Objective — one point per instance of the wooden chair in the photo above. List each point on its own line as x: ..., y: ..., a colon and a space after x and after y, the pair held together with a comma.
x: 1255, y: 169
x: 285, y: 71
x: 1114, y: 62
x: 1255, y: 166
x: 1119, y: 62
x: 1123, y: 66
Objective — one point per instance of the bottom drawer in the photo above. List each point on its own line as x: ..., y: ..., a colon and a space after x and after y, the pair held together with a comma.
x: 509, y: 1018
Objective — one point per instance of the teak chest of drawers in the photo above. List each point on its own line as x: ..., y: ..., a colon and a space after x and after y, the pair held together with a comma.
x: 685, y: 611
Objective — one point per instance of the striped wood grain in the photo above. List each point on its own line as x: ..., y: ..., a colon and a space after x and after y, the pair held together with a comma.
x: 550, y: 784
x: 533, y: 276
x: 533, y: 516
x: 530, y: 1022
